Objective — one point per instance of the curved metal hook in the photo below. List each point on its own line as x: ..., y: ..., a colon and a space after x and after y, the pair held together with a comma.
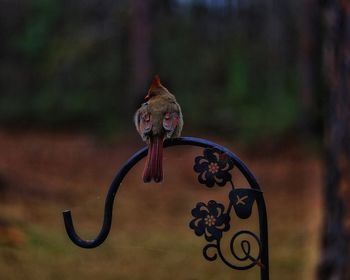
x: 107, y: 220
x: 108, y: 211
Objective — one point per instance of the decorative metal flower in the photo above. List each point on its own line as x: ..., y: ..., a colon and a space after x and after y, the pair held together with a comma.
x: 213, y: 168
x: 210, y: 220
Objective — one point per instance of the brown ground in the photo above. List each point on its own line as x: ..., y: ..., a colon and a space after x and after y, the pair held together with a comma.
x: 42, y: 173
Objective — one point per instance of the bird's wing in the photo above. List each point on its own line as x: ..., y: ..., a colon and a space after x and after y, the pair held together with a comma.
x: 143, y: 122
x: 171, y: 120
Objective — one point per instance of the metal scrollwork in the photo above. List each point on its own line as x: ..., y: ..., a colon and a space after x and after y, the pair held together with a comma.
x: 246, y: 248
x: 211, y: 220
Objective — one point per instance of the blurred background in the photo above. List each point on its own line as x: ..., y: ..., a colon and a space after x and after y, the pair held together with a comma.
x: 268, y: 79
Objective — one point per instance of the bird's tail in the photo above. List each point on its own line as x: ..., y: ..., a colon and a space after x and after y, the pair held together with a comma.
x: 154, y: 163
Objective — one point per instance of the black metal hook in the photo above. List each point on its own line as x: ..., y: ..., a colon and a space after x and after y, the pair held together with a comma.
x: 108, y: 211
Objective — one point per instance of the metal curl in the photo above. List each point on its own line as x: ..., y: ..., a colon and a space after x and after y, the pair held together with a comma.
x: 108, y: 210
x: 254, y: 261
x: 205, y: 252
x: 246, y: 247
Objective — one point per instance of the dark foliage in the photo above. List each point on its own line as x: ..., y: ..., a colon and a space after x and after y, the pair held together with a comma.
x: 88, y: 63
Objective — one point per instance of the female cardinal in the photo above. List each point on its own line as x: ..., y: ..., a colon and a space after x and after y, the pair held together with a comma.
x: 158, y: 118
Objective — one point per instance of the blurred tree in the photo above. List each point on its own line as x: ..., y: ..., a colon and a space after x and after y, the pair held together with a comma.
x: 335, y: 252
x: 140, y: 43
x: 67, y: 63
x: 310, y: 56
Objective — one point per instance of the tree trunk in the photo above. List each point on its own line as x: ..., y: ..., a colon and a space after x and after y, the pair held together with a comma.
x: 335, y: 252
x: 140, y: 48
x: 310, y: 67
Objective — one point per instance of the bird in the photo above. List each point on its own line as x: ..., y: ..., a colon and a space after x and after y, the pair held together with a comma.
x: 158, y: 118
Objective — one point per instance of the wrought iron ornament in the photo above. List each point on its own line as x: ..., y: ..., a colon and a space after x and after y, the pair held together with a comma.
x: 210, y: 219
x: 213, y: 168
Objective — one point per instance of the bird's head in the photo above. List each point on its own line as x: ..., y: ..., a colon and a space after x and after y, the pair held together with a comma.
x: 156, y: 88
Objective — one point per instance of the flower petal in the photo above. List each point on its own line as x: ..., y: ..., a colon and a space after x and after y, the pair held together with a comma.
x: 210, y: 181
x: 201, y: 164
x: 200, y: 229
x: 202, y: 178
x: 222, y: 177
x: 213, y: 207
x: 198, y: 212
x: 223, y: 220
x: 198, y: 226
x: 209, y: 154
x: 214, y: 233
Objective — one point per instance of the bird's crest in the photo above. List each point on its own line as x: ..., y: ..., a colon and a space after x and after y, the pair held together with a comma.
x: 155, y: 84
